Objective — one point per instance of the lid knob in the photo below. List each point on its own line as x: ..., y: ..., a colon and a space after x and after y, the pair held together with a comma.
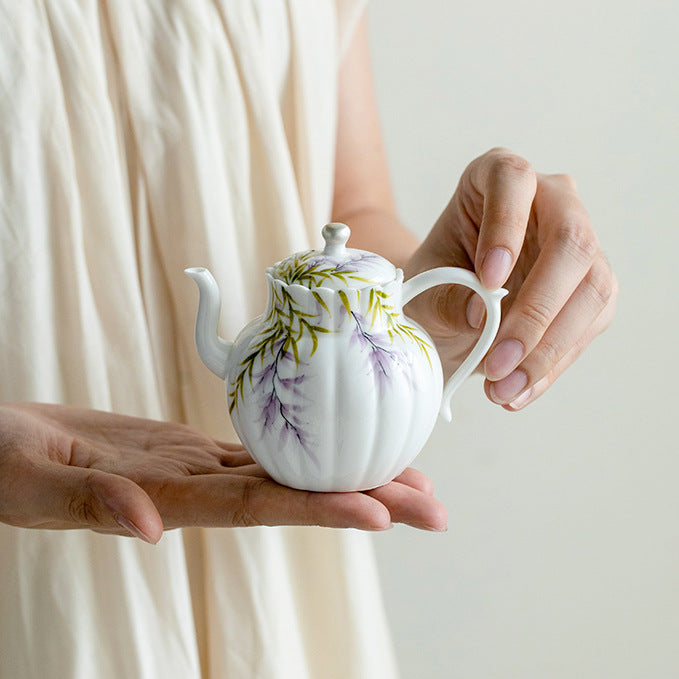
x: 336, y: 235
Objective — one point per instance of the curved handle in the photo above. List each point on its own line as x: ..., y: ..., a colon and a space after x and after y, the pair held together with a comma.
x: 446, y: 275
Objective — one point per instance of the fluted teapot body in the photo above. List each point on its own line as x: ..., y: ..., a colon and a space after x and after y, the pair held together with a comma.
x: 332, y: 388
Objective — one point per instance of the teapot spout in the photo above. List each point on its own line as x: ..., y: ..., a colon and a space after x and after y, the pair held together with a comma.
x: 213, y: 350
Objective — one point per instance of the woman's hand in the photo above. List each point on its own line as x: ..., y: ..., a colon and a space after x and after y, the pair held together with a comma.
x: 63, y: 467
x: 531, y: 234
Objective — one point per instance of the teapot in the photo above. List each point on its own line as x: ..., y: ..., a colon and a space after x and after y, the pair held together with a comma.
x: 333, y: 388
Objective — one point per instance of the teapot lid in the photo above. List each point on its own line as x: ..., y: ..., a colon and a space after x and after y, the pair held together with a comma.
x: 335, y: 266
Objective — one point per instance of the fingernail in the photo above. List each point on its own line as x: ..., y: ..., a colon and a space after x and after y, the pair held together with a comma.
x: 522, y: 399
x: 503, y: 359
x: 476, y: 310
x: 508, y: 388
x: 135, y: 531
x: 531, y: 394
x: 496, y: 267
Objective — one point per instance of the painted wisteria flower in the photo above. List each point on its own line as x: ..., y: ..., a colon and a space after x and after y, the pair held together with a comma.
x: 282, y: 401
x: 387, y: 320
x: 275, y: 367
x: 382, y: 358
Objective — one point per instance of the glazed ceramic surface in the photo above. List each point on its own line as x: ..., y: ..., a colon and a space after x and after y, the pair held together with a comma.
x: 333, y: 388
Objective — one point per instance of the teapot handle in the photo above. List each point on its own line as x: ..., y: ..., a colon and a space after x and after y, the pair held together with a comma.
x: 447, y: 275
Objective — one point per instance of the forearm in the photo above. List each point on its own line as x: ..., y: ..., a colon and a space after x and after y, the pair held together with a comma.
x: 362, y: 192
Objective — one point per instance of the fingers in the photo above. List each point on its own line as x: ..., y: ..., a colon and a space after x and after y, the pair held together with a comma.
x: 235, y: 458
x: 250, y: 500
x: 233, y: 454
x: 556, y: 353
x: 416, y: 479
x: 508, y: 184
x: 243, y: 500
x: 48, y: 480
x: 570, y: 287
x: 229, y: 447
x: 411, y: 506
x: 61, y: 496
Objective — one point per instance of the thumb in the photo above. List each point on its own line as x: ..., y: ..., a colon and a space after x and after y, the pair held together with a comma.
x: 76, y: 497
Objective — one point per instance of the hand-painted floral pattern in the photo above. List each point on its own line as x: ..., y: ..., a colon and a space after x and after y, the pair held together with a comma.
x: 313, y: 270
x: 379, y: 309
x: 282, y: 400
x: 381, y: 358
x: 288, y: 329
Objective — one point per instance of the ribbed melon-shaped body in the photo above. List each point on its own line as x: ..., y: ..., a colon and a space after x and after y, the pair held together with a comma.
x: 333, y: 389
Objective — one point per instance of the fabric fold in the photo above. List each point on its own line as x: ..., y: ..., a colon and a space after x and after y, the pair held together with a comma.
x: 140, y: 137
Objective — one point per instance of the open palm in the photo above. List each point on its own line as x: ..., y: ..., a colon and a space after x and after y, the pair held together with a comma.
x: 64, y: 467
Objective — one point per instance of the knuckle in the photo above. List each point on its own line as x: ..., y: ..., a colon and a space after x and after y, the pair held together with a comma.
x: 81, y: 506
x: 507, y: 163
x: 546, y: 355
x: 244, y: 514
x: 499, y: 151
x: 156, y: 488
x: 469, y: 204
x: 577, y: 238
x: 602, y: 284
x: 565, y: 179
x: 537, y: 315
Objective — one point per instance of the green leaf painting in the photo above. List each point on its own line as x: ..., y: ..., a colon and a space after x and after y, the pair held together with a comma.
x: 290, y: 325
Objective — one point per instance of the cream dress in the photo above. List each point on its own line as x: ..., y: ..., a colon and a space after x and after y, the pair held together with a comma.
x: 138, y: 137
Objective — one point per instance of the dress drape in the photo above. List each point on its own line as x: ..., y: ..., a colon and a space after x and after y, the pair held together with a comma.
x: 139, y: 137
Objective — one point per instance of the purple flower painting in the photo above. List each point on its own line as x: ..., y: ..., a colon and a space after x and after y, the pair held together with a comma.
x: 274, y: 369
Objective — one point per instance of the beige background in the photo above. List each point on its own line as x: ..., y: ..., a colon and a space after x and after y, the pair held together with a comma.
x: 562, y: 556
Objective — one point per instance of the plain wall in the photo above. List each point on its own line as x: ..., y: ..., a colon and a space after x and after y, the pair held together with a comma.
x: 562, y: 555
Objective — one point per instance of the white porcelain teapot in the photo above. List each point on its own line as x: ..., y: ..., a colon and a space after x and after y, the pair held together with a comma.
x: 333, y: 388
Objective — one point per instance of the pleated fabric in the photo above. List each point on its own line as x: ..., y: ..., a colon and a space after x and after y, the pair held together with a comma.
x: 139, y: 137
